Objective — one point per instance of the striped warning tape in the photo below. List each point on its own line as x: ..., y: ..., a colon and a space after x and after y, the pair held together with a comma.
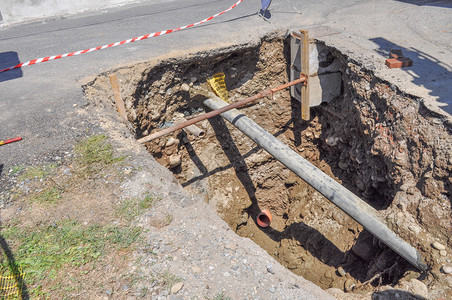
x: 140, y: 38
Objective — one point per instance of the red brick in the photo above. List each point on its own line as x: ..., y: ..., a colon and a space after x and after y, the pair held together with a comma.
x: 401, y: 62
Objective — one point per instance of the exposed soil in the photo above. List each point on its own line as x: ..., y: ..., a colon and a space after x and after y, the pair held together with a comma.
x: 378, y: 142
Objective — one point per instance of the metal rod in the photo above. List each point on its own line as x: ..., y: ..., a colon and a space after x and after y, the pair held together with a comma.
x: 213, y: 113
x: 10, y: 140
x: 353, y: 206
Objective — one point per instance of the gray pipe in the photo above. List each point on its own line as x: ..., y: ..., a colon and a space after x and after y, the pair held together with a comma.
x: 353, y: 206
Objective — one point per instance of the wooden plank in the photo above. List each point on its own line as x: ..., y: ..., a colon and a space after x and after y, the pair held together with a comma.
x: 118, y: 99
x: 305, y: 107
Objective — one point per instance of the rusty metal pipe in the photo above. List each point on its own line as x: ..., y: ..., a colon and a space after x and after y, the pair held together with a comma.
x: 216, y: 112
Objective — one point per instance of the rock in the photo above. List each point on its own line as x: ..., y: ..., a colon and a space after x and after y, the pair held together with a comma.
x: 360, y: 184
x: 443, y: 252
x: 174, y: 161
x: 385, y: 288
x: 270, y: 269
x: 418, y: 288
x: 343, y: 165
x: 341, y: 271
x: 446, y: 269
x: 272, y: 289
x: 193, y: 79
x: 67, y: 172
x: 332, y: 141
x: 196, y: 269
x: 290, y: 180
x: 172, y: 141
x: 334, y: 291
x: 349, y: 284
x: 231, y: 246
x: 438, y: 246
x: 176, y: 287
x: 414, y: 228
x: 185, y: 87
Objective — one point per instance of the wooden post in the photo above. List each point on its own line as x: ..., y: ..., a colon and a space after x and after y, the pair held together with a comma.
x: 305, y: 105
x: 120, y: 107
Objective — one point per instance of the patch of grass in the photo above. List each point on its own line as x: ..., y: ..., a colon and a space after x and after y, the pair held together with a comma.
x: 168, y: 219
x: 49, y: 195
x: 38, y: 172
x: 168, y: 279
x: 94, y: 154
x: 162, y: 222
x: 221, y: 296
x: 44, y: 250
x: 16, y: 169
x: 132, y: 207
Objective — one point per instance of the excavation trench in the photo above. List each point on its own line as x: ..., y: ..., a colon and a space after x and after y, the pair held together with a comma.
x: 376, y: 141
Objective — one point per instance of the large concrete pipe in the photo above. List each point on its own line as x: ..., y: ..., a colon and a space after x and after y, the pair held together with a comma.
x: 328, y: 187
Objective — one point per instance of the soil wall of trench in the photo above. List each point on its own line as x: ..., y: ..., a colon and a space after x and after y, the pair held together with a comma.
x: 378, y: 142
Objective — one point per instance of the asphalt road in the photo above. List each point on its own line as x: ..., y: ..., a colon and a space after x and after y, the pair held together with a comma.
x: 37, y: 102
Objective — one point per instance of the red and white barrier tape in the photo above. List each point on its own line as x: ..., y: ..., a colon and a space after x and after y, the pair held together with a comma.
x: 140, y: 38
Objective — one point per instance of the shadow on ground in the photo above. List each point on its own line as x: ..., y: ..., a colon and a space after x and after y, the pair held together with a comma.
x: 444, y: 3
x: 8, y: 288
x: 396, y: 294
x: 425, y: 71
x: 9, y: 59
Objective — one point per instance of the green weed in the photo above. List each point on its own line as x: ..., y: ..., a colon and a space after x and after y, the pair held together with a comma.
x: 222, y: 296
x: 49, y: 195
x: 38, y: 172
x: 162, y: 222
x: 168, y: 279
x: 168, y: 219
x: 16, y: 169
x: 44, y: 250
x: 94, y: 154
x: 130, y: 208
